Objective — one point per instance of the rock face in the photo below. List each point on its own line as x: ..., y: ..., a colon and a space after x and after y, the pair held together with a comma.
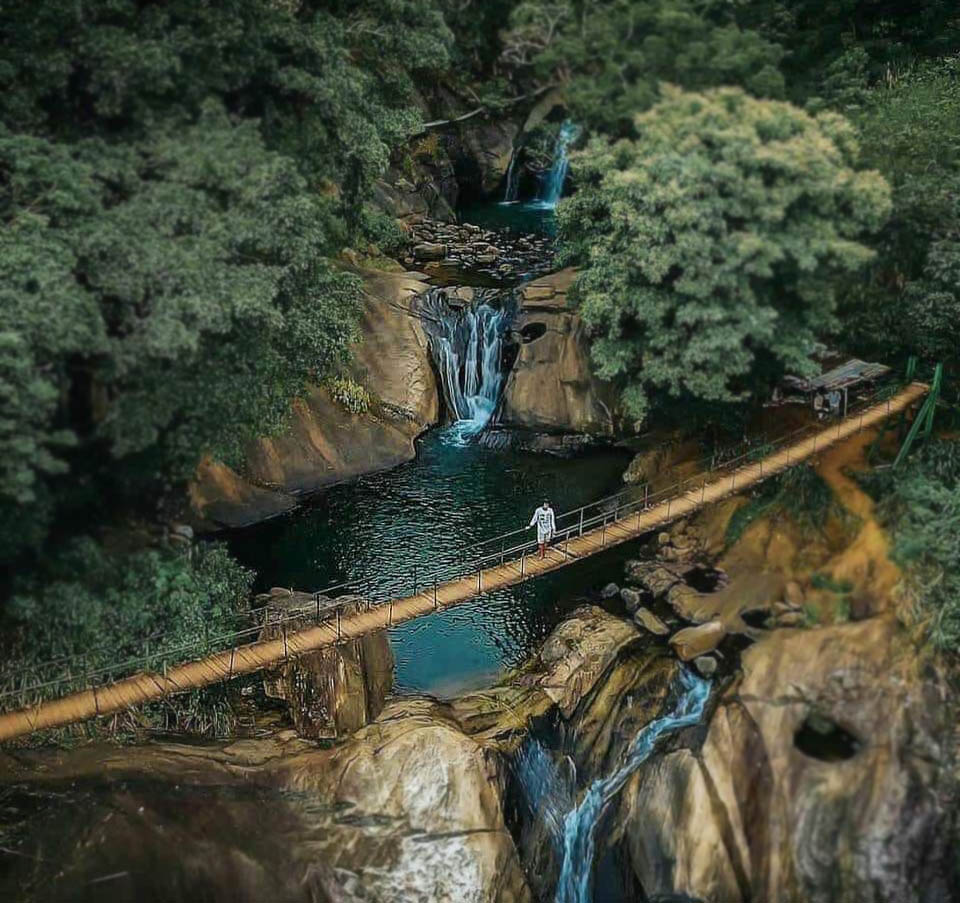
x: 551, y: 386
x: 413, y: 812
x: 825, y: 776
x: 331, y: 692
x: 325, y: 443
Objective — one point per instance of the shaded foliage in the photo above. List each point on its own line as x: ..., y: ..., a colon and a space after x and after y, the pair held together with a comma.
x: 920, y: 505
x: 909, y: 302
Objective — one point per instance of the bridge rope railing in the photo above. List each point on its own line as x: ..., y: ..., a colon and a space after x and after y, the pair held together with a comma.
x: 21, y: 689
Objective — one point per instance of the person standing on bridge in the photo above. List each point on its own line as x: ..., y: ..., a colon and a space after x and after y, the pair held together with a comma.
x: 546, y: 525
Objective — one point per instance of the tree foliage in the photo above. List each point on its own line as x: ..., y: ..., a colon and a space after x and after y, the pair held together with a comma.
x: 710, y: 245
x: 920, y: 505
x: 609, y: 56
x: 909, y: 301
x: 836, y: 49
x: 173, y: 179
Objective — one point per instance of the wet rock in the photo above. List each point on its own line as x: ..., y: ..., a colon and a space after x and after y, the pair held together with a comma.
x: 631, y: 598
x: 706, y: 665
x: 826, y: 774
x: 650, y: 622
x: 791, y: 619
x: 609, y: 591
x: 793, y: 594
x: 577, y: 654
x: 656, y: 579
x: 692, y: 642
x: 552, y: 386
x: 408, y: 809
x: 429, y: 251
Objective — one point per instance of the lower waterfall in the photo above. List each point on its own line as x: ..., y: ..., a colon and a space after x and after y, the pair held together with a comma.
x: 467, y: 346
x: 580, y: 825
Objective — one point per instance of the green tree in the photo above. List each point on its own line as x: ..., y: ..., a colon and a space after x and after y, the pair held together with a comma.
x: 908, y: 301
x: 709, y: 246
x: 160, y: 299
x: 609, y: 56
x: 330, y: 81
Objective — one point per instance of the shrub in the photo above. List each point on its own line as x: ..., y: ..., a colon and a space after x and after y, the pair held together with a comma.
x: 920, y: 505
x: 351, y: 395
x: 113, y: 608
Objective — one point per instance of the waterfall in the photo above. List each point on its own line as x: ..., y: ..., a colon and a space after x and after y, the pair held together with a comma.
x: 467, y: 345
x: 513, y: 180
x: 580, y: 824
x: 548, y: 791
x: 552, y: 187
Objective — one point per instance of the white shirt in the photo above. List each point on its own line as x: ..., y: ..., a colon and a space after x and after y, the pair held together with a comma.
x: 545, y: 522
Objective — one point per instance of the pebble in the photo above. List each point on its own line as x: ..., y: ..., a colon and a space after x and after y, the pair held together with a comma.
x: 609, y: 591
x: 649, y: 621
x: 706, y: 665
x: 631, y: 598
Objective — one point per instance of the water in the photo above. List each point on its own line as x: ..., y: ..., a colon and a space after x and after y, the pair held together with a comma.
x: 551, y: 188
x: 580, y: 825
x: 467, y: 347
x: 422, y: 513
x: 521, y: 218
x: 548, y: 791
x: 513, y: 180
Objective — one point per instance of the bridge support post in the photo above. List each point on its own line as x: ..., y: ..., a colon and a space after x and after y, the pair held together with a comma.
x: 479, y: 579
x: 339, y: 626
x: 523, y: 558
x: 581, y: 521
x: 390, y: 614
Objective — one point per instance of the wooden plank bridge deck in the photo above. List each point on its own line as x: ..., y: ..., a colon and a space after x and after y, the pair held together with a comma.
x: 145, y: 687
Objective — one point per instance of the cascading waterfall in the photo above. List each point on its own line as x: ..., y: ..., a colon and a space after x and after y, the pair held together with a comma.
x: 467, y: 347
x: 552, y: 187
x: 513, y: 180
x: 548, y: 791
x: 580, y: 824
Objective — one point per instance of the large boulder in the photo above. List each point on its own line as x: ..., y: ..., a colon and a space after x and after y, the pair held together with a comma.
x: 551, y: 386
x: 413, y: 811
x: 331, y: 692
x: 325, y: 443
x: 825, y: 775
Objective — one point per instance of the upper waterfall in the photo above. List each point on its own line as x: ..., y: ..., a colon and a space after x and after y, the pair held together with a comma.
x: 513, y: 179
x: 552, y: 187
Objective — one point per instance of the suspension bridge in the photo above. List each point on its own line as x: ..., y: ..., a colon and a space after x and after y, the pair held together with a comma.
x: 349, y: 611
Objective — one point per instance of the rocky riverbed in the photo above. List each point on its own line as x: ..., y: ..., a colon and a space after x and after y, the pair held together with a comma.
x: 450, y: 252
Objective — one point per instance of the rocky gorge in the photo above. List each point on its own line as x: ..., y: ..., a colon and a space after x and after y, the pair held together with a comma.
x: 822, y: 768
